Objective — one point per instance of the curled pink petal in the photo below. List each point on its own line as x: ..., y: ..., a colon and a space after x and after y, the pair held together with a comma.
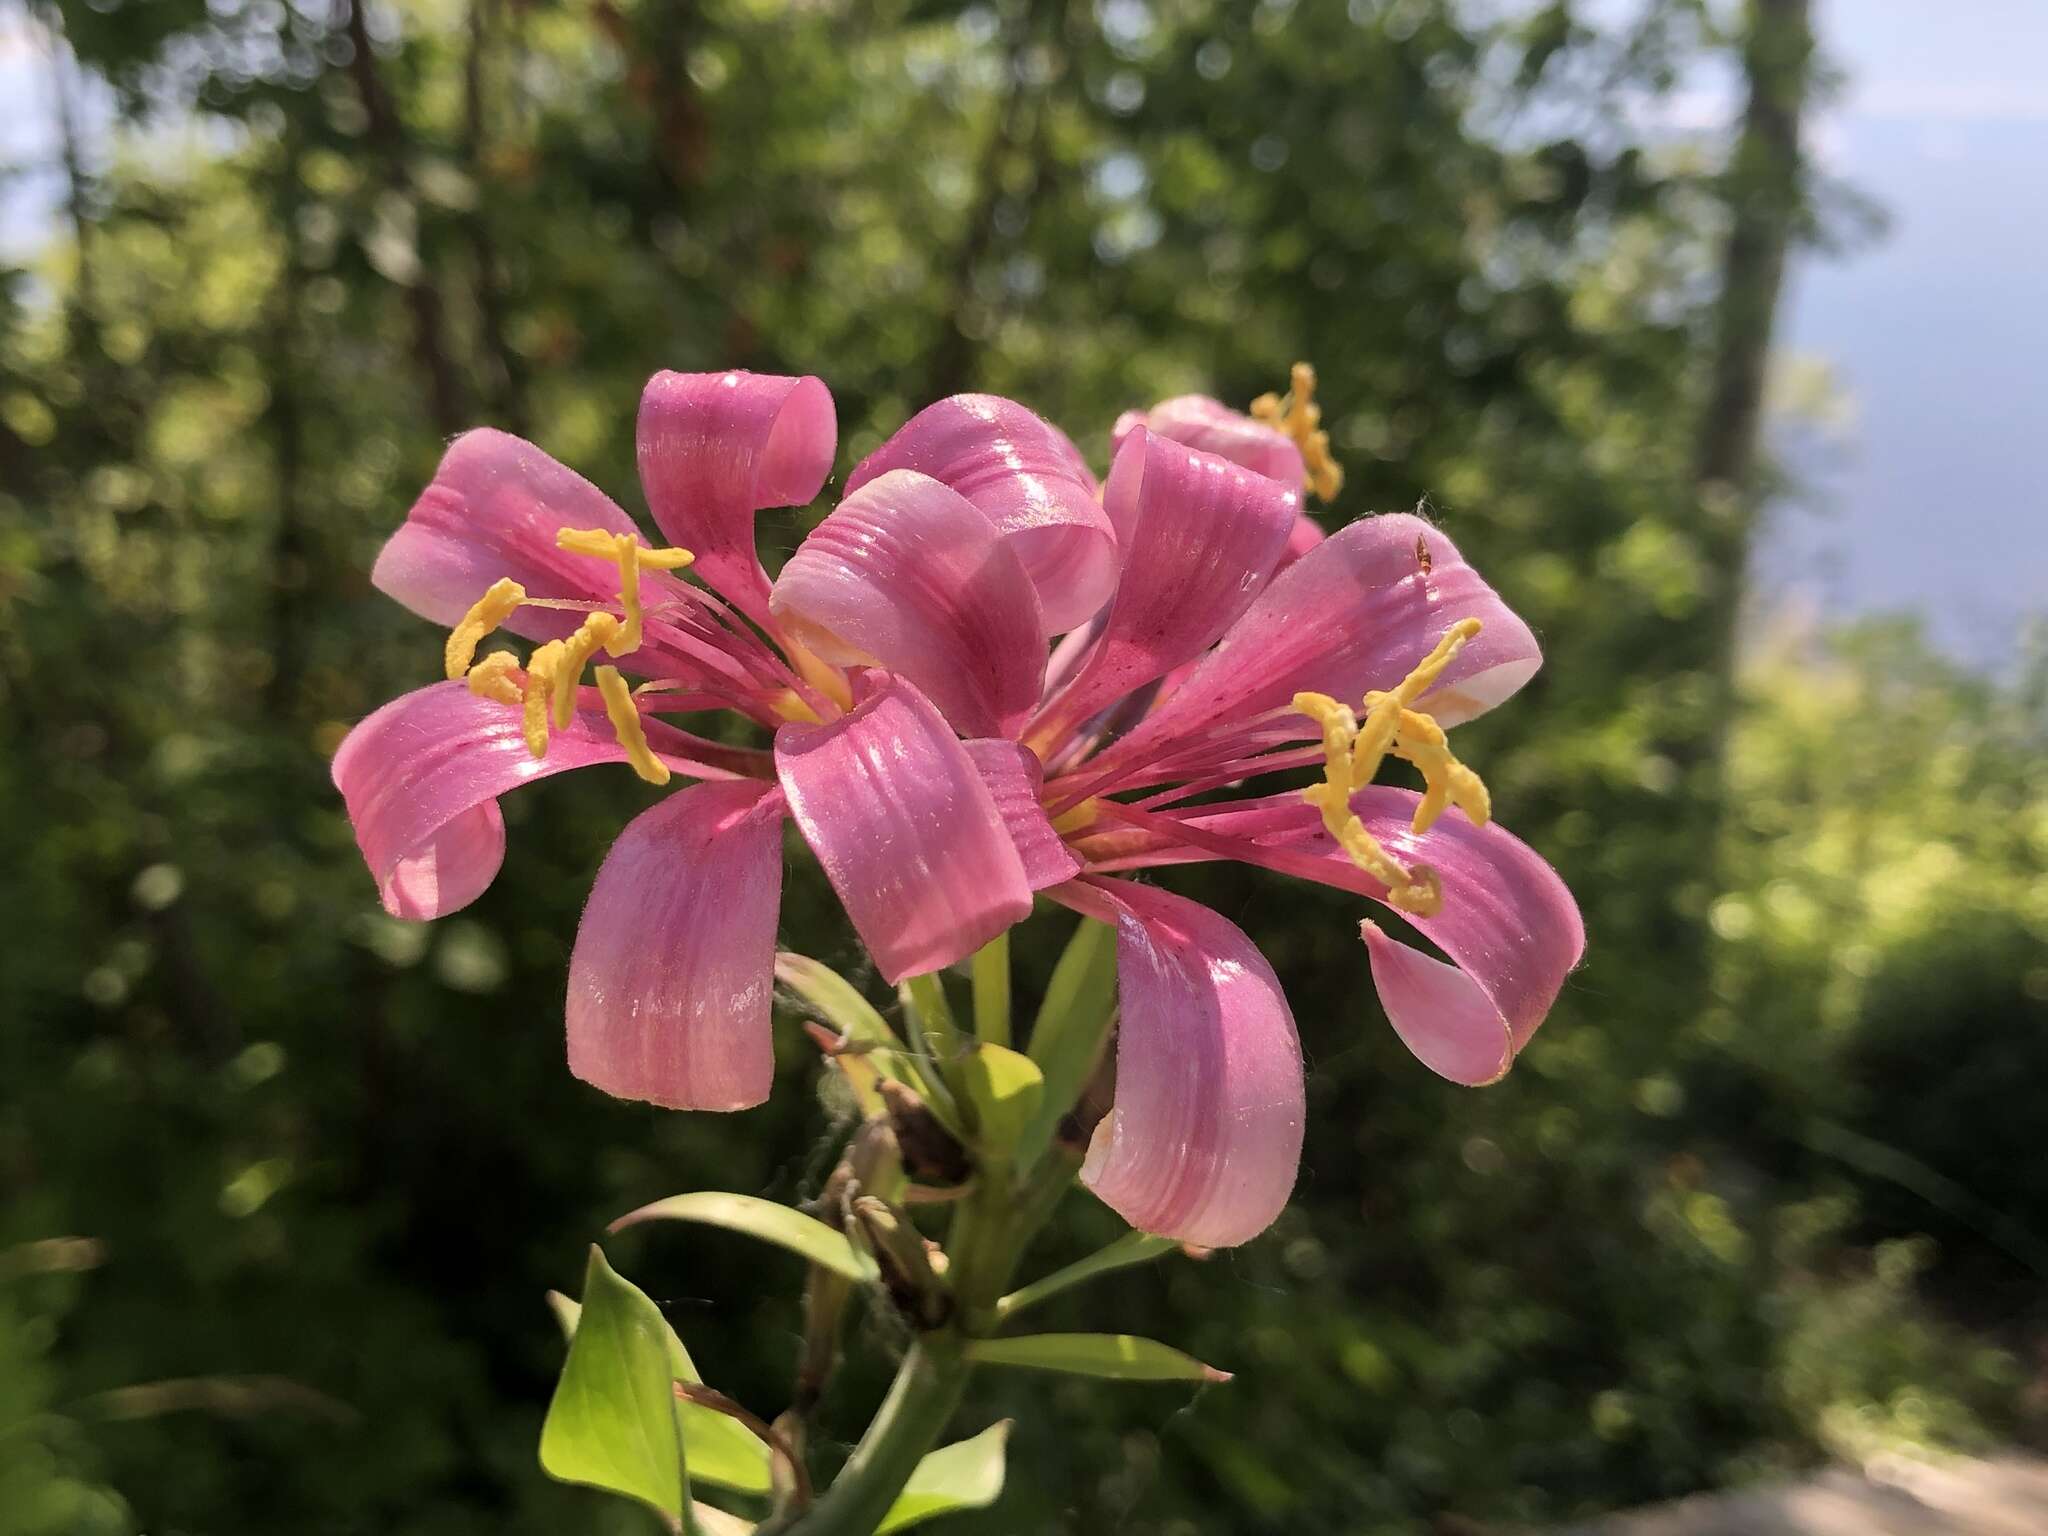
x: 1353, y: 614
x: 1210, y: 425
x: 905, y: 828
x: 1200, y: 536
x: 908, y: 575
x: 715, y: 448
x: 671, y: 981
x: 421, y: 778
x: 1032, y: 483
x: 1204, y: 1139
x: 1014, y: 778
x: 1508, y: 922
x: 492, y: 510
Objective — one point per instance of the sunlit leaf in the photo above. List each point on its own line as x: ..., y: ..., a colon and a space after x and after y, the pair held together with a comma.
x: 613, y: 1422
x: 965, y: 1475
x: 1115, y: 1356
x: 772, y: 1223
x: 717, y: 1447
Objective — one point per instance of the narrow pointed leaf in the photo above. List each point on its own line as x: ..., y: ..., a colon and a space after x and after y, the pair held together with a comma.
x: 1071, y: 1029
x: 719, y: 1449
x: 840, y: 1004
x: 1113, y: 1356
x: 778, y: 1224
x: 1131, y: 1248
x: 612, y: 1423
x: 965, y: 1475
x: 1003, y: 1090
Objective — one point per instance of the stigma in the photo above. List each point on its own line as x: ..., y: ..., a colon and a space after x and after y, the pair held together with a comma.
x: 1299, y: 417
x: 1353, y: 750
x: 546, y: 691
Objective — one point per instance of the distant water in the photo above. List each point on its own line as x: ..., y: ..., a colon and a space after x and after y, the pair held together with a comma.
x: 1934, y: 496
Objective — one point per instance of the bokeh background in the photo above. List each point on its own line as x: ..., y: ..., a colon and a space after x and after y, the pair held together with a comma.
x: 282, y: 1181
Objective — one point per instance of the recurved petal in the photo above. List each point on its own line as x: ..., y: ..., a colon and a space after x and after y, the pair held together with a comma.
x: 1204, y: 1139
x: 716, y: 448
x: 905, y: 827
x: 492, y: 510
x: 421, y: 778
x: 1355, y: 613
x: 1014, y: 777
x: 1032, y: 483
x: 671, y: 981
x: 909, y: 575
x: 1200, y: 536
x: 1508, y: 922
x: 1210, y: 425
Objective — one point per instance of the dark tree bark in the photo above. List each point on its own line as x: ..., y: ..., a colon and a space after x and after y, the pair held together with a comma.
x: 505, y: 378
x: 423, y: 293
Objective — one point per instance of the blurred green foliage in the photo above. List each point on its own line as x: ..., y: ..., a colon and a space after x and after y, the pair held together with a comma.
x: 1764, y: 1187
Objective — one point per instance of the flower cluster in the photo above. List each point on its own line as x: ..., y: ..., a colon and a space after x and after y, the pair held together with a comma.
x: 982, y: 677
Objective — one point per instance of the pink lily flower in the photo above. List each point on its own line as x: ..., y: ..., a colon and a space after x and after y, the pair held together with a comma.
x: 944, y: 769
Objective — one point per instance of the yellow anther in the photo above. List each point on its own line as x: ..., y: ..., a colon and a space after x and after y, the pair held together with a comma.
x: 540, y: 683
x: 1301, y: 419
x: 1352, y: 753
x: 576, y: 653
x: 489, y: 611
x: 625, y: 718
x: 631, y: 556
x: 815, y: 670
x: 791, y: 706
x: 492, y: 678
x: 1075, y: 817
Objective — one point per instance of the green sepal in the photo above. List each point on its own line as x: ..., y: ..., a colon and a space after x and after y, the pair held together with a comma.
x: 965, y: 1475
x: 1113, y: 1356
x: 803, y: 1235
x: 1003, y: 1091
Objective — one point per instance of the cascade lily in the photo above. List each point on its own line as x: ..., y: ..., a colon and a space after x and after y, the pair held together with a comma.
x: 946, y: 760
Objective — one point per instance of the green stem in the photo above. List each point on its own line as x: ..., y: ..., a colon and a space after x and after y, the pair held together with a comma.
x: 912, y: 1417
x: 991, y: 1229
x: 932, y: 1015
x: 992, y: 990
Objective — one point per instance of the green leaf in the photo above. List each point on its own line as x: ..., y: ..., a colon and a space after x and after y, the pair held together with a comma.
x: 1131, y: 1248
x: 1071, y: 1029
x: 966, y: 1475
x: 772, y: 1223
x: 717, y: 1447
x: 612, y: 1424
x: 1003, y: 1090
x: 1117, y: 1356
x: 839, y: 1002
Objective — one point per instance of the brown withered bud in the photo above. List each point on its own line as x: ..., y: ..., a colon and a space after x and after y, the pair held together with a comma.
x: 906, y: 1262
x: 930, y: 1154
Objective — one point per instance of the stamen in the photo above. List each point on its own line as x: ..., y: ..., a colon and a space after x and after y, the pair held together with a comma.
x: 816, y: 671
x: 576, y: 653
x: 1300, y: 418
x: 791, y: 706
x: 625, y: 719
x: 540, y: 682
x: 492, y: 678
x: 489, y: 611
x: 631, y: 556
x: 1352, y: 754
